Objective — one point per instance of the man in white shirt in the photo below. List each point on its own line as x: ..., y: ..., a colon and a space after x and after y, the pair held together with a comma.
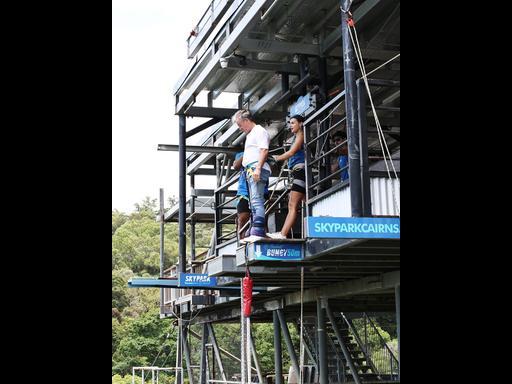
x: 256, y: 168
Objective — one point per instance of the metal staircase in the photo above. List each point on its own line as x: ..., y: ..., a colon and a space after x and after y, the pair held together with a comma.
x: 339, y: 370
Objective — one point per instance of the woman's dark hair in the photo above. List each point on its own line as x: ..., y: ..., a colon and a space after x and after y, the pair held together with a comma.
x: 299, y: 118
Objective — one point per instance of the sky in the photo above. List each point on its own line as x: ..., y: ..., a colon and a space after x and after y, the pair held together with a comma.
x: 149, y: 55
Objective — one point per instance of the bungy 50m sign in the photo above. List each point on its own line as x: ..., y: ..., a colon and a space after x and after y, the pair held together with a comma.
x: 276, y: 251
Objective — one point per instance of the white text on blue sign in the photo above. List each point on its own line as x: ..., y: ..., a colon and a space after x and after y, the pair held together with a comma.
x: 197, y: 279
x: 354, y: 227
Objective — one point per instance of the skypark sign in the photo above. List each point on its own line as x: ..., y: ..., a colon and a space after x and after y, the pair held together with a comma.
x: 353, y: 227
x: 196, y: 280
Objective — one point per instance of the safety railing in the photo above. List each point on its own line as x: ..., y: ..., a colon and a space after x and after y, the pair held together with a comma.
x: 374, y: 346
x: 207, y: 22
x: 320, y: 150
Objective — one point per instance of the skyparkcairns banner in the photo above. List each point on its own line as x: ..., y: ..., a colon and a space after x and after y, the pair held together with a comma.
x: 353, y: 227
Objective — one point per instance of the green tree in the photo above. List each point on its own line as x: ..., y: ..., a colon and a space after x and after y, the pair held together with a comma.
x: 119, y: 294
x: 142, y: 342
x: 136, y: 245
x: 118, y: 219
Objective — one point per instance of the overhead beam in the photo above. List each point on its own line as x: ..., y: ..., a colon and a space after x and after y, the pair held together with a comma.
x: 202, y: 127
x: 227, y: 113
x: 333, y: 39
x: 262, y: 66
x: 173, y: 283
x: 220, y: 113
x: 347, y: 288
x: 205, y: 171
x: 200, y: 148
x: 274, y: 46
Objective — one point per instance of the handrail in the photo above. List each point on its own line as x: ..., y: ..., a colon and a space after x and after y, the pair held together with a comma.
x: 359, y: 342
x: 381, y: 339
x: 327, y: 153
x: 326, y: 106
x: 326, y: 132
x: 335, y: 173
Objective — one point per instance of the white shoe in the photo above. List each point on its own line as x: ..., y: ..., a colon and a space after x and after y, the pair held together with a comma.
x: 276, y: 235
x: 251, y: 239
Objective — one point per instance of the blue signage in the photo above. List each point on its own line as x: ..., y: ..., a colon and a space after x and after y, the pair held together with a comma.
x: 353, y: 227
x: 276, y: 251
x: 303, y: 106
x: 196, y: 280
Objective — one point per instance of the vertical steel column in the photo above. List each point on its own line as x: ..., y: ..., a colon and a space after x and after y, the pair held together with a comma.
x: 256, y: 361
x: 325, y: 163
x: 303, y: 72
x: 322, y: 347
x: 186, y: 352
x: 161, y: 248
x: 285, y: 82
x: 182, y: 240
x: 397, y: 303
x: 216, y: 351
x: 179, y: 355
x: 288, y: 341
x: 322, y: 71
x: 278, y: 356
x: 346, y: 352
x: 182, y: 245
x: 351, y: 111
x: 363, y: 147
x: 202, y: 364
x: 243, y: 341
x: 192, y: 219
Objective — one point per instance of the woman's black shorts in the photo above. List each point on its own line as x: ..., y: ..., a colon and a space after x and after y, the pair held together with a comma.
x: 299, y: 180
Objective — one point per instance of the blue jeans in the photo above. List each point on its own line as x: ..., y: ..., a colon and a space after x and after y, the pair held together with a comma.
x: 256, y: 193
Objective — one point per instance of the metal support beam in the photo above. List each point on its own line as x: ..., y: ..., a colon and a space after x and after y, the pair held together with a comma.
x: 278, y: 357
x: 179, y: 358
x: 397, y: 301
x: 200, y: 148
x: 304, y: 71
x: 193, y: 197
x: 269, y: 98
x: 252, y: 16
x: 288, y: 341
x: 322, y: 347
x: 363, y: 147
x: 351, y: 112
x: 227, y: 353
x: 162, y: 222
x: 203, y: 126
x: 347, y: 288
x: 186, y: 352
x: 346, y: 353
x: 261, y: 66
x: 216, y: 351
x: 256, y: 360
x: 227, y: 113
x: 322, y: 73
x: 202, y: 364
x: 243, y: 345
x: 182, y: 240
x: 332, y: 40
x: 274, y: 46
